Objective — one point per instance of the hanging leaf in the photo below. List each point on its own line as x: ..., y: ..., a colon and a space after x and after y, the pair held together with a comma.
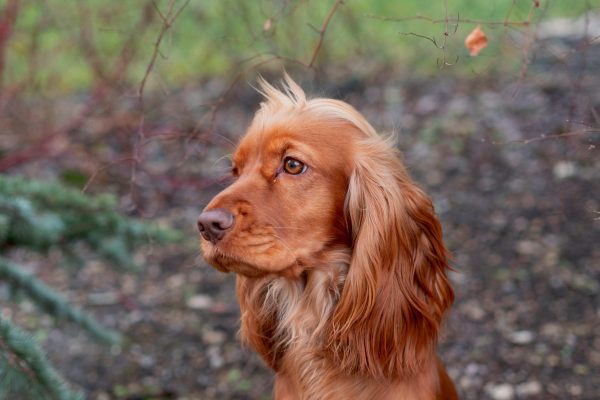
x: 476, y: 41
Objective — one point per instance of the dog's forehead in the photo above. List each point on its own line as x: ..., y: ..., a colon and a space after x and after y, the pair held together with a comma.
x: 253, y: 144
x: 273, y: 140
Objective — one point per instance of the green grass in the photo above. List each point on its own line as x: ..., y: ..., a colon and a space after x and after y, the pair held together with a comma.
x: 212, y: 38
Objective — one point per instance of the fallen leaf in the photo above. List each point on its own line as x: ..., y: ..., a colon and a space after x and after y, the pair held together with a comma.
x: 476, y: 41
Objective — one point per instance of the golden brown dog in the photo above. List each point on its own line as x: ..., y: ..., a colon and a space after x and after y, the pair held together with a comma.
x: 341, y: 269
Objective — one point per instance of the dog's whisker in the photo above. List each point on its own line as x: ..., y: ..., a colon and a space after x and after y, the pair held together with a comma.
x: 226, y: 156
x: 287, y: 247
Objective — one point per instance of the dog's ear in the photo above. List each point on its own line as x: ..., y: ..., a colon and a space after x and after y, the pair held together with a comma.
x: 387, y: 320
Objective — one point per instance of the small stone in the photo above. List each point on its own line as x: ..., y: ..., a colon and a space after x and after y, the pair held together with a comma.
x: 215, y: 358
x: 528, y: 247
x: 564, y: 169
x: 473, y: 310
x: 472, y: 369
x: 427, y: 104
x: 466, y: 382
x: 176, y: 281
x: 576, y: 390
x: 552, y: 360
x: 551, y: 329
x: 199, y: 302
x: 530, y: 388
x: 146, y: 361
x: 594, y: 357
x: 585, y: 284
x: 521, y: 337
x: 213, y: 337
x: 581, y: 369
x: 501, y: 391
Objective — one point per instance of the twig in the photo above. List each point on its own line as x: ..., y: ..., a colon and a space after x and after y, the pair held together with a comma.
x: 104, y: 167
x: 449, y: 20
x: 7, y: 22
x: 447, y: 34
x: 322, y: 32
x: 443, y: 61
x: 509, y: 12
x: 547, y: 137
x: 168, y: 21
x: 86, y: 43
x: 530, y: 40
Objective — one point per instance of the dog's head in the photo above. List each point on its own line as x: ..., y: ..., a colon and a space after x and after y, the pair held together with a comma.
x: 313, y: 177
x: 285, y: 208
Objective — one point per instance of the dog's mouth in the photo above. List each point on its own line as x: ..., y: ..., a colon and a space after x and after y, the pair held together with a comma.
x: 226, y: 261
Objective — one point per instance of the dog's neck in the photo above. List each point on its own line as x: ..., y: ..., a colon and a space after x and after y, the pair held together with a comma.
x: 304, y: 306
x: 297, y: 310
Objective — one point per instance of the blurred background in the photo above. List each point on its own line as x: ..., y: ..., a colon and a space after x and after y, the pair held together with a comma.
x: 143, y: 101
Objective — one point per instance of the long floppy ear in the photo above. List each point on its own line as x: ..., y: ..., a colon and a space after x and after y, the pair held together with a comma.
x: 396, y: 290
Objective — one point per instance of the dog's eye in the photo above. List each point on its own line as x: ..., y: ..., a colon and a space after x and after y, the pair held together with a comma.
x: 293, y: 166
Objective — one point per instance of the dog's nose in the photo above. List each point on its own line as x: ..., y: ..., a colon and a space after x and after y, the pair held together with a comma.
x: 214, y: 224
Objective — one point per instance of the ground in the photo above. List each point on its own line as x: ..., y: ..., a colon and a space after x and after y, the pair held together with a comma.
x: 521, y: 215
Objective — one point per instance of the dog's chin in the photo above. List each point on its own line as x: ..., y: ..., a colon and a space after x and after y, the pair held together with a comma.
x: 225, y: 262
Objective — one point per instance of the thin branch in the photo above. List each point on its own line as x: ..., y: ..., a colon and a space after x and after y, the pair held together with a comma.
x: 168, y: 21
x: 449, y: 20
x: 323, y: 30
x: 540, y: 138
x: 430, y: 39
x: 529, y: 42
x: 7, y: 21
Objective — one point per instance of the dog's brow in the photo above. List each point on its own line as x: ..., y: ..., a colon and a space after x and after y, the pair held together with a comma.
x: 293, y: 147
x: 239, y: 158
x: 281, y: 148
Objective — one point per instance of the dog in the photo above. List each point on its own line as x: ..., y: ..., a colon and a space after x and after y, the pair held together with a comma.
x: 340, y: 265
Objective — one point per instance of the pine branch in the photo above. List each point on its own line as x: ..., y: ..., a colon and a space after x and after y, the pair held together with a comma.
x: 30, y: 363
x: 40, y: 216
x: 52, y: 302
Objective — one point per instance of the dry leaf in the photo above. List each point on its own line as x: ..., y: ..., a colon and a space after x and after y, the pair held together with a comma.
x: 476, y: 41
x: 267, y: 24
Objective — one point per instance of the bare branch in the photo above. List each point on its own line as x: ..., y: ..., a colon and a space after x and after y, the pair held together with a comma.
x: 540, y: 138
x: 168, y: 20
x: 449, y: 20
x: 7, y: 22
x: 323, y: 30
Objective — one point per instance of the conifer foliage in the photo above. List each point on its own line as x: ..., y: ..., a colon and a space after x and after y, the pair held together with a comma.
x: 38, y: 217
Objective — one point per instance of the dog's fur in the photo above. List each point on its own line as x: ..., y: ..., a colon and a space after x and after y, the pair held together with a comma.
x: 341, y: 269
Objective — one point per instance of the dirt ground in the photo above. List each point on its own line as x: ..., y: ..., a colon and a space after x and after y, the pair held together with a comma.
x: 521, y: 215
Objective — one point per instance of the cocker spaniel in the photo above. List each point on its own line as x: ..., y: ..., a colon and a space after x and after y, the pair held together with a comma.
x: 341, y: 269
